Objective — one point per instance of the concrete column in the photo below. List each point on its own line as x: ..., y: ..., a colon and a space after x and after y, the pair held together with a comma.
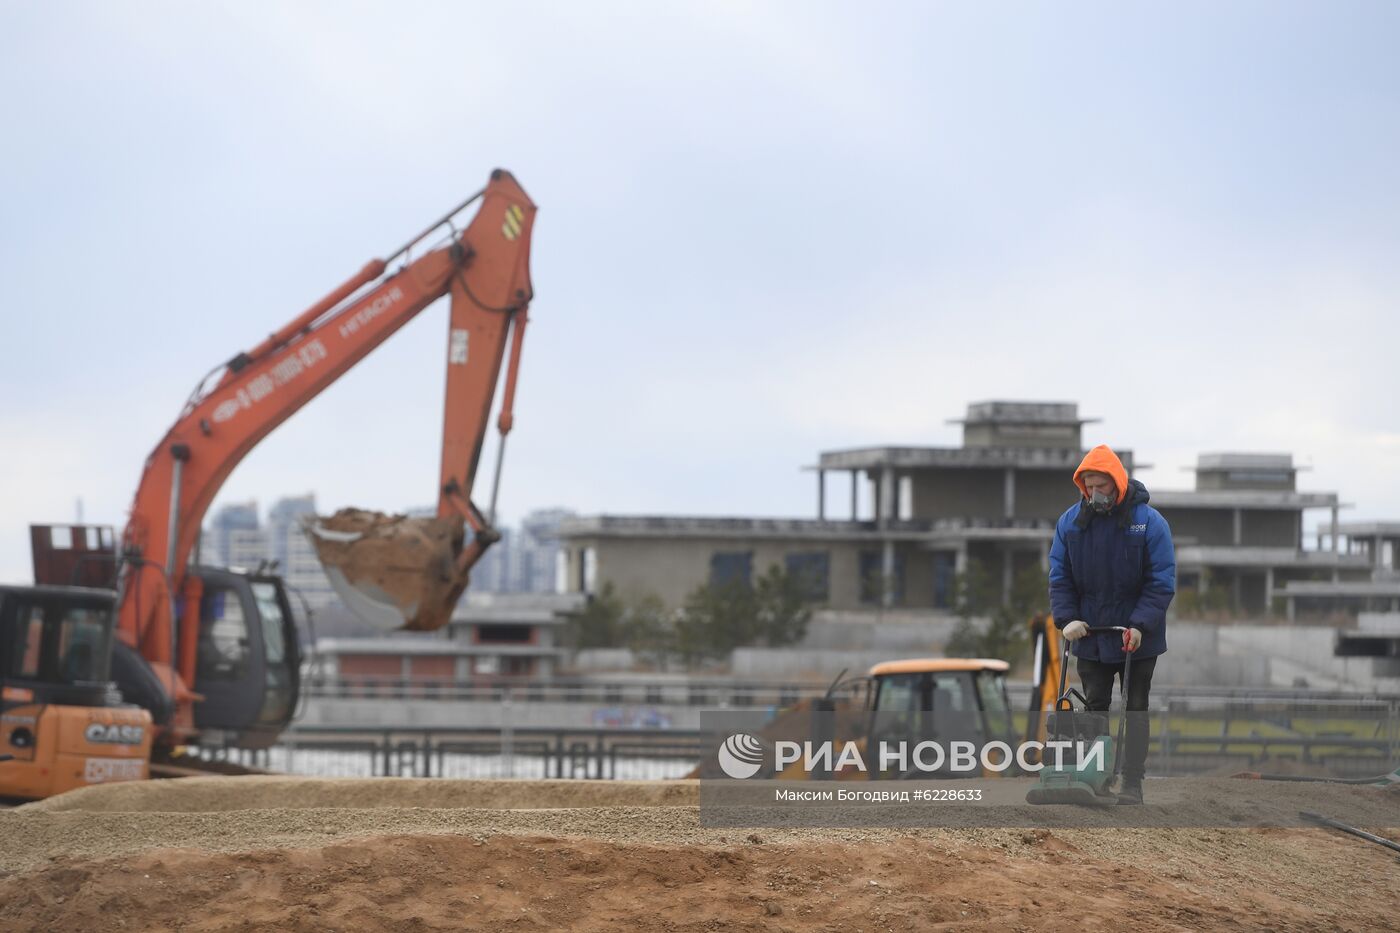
x: 855, y: 487
x: 1008, y: 494
x: 888, y: 491
x: 1292, y: 609
x: 821, y: 495
x: 887, y: 574
x: 1268, y: 590
x: 1007, y: 561
x: 1376, y: 552
x: 1045, y: 556
x: 1336, y: 517
x: 1239, y: 527
x: 960, y: 558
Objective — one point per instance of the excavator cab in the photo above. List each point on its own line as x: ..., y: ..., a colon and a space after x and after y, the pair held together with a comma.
x: 248, y: 660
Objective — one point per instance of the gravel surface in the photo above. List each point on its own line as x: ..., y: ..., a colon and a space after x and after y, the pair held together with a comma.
x: 294, y: 853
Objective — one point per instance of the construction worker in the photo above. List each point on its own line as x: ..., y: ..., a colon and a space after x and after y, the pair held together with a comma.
x: 1113, y: 564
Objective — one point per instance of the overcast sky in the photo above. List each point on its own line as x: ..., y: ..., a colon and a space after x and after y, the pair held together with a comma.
x: 765, y: 230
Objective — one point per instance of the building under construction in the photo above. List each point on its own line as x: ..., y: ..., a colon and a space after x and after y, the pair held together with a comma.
x: 936, y: 512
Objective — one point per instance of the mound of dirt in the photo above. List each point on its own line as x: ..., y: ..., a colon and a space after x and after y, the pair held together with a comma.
x: 259, y: 792
x: 250, y: 853
x: 393, y: 560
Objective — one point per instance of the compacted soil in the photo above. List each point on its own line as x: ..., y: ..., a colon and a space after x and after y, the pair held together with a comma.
x: 281, y: 853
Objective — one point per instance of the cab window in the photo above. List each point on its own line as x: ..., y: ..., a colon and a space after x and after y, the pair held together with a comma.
x: 223, y: 634
x: 898, y: 693
x: 991, y: 689
x: 83, y: 646
x: 270, y: 610
x: 31, y: 640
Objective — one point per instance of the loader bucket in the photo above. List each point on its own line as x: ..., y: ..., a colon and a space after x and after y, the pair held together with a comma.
x: 393, y: 571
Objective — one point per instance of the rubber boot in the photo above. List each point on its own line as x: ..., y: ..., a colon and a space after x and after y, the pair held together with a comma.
x: 1130, y: 794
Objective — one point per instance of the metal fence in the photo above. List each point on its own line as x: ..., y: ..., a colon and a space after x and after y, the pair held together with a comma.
x: 338, y: 751
x: 1345, y: 737
x: 1190, y: 735
x: 607, y: 693
x: 715, y: 693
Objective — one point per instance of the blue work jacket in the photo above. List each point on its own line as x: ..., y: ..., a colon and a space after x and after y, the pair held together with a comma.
x: 1116, y: 568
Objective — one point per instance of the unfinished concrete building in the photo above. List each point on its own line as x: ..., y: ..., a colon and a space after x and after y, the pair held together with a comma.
x: 992, y: 503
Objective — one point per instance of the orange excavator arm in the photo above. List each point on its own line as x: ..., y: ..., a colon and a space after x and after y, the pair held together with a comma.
x: 485, y: 270
x: 1046, y: 663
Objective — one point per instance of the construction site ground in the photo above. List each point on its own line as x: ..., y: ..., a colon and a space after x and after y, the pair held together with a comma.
x: 284, y: 853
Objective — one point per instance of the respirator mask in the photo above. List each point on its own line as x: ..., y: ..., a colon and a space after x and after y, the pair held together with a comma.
x: 1100, y: 503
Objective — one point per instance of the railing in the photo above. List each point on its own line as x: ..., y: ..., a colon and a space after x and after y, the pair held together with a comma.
x: 524, y: 752
x: 716, y: 693
x: 1347, y: 738
x: 607, y: 693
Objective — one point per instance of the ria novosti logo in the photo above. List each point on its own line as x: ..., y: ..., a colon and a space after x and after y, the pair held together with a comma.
x: 741, y: 756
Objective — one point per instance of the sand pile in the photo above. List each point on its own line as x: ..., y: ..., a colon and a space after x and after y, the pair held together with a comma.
x: 395, y: 561
x: 215, y: 854
x: 259, y: 792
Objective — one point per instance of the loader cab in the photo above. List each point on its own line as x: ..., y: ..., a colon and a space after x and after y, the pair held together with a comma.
x: 63, y: 723
x: 248, y: 659
x: 939, y: 699
x: 56, y: 645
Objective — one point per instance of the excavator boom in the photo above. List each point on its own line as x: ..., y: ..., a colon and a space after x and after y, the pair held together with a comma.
x: 485, y: 270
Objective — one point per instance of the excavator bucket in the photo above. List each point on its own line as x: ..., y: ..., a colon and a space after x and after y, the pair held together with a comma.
x: 393, y: 571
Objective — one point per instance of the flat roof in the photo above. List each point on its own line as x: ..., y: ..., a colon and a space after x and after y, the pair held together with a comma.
x: 697, y: 526
x: 1022, y: 458
x: 1242, y: 461
x: 1382, y: 529
x: 800, y: 529
x: 426, y: 647
x: 1228, y: 555
x: 1389, y: 588
x: 1240, y: 499
x: 516, y: 608
x: 935, y: 665
x: 1010, y: 411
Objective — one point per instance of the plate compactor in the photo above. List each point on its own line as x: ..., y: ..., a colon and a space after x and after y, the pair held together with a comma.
x: 1067, y: 779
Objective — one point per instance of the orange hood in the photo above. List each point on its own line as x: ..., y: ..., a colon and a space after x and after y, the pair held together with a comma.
x: 1102, y: 460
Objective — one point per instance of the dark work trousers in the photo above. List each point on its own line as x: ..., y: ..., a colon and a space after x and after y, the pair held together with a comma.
x: 1097, y: 680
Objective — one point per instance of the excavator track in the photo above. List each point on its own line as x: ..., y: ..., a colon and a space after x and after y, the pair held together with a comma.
x: 165, y: 765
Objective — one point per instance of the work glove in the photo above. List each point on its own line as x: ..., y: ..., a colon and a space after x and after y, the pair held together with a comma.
x: 1132, y: 639
x: 1075, y: 630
